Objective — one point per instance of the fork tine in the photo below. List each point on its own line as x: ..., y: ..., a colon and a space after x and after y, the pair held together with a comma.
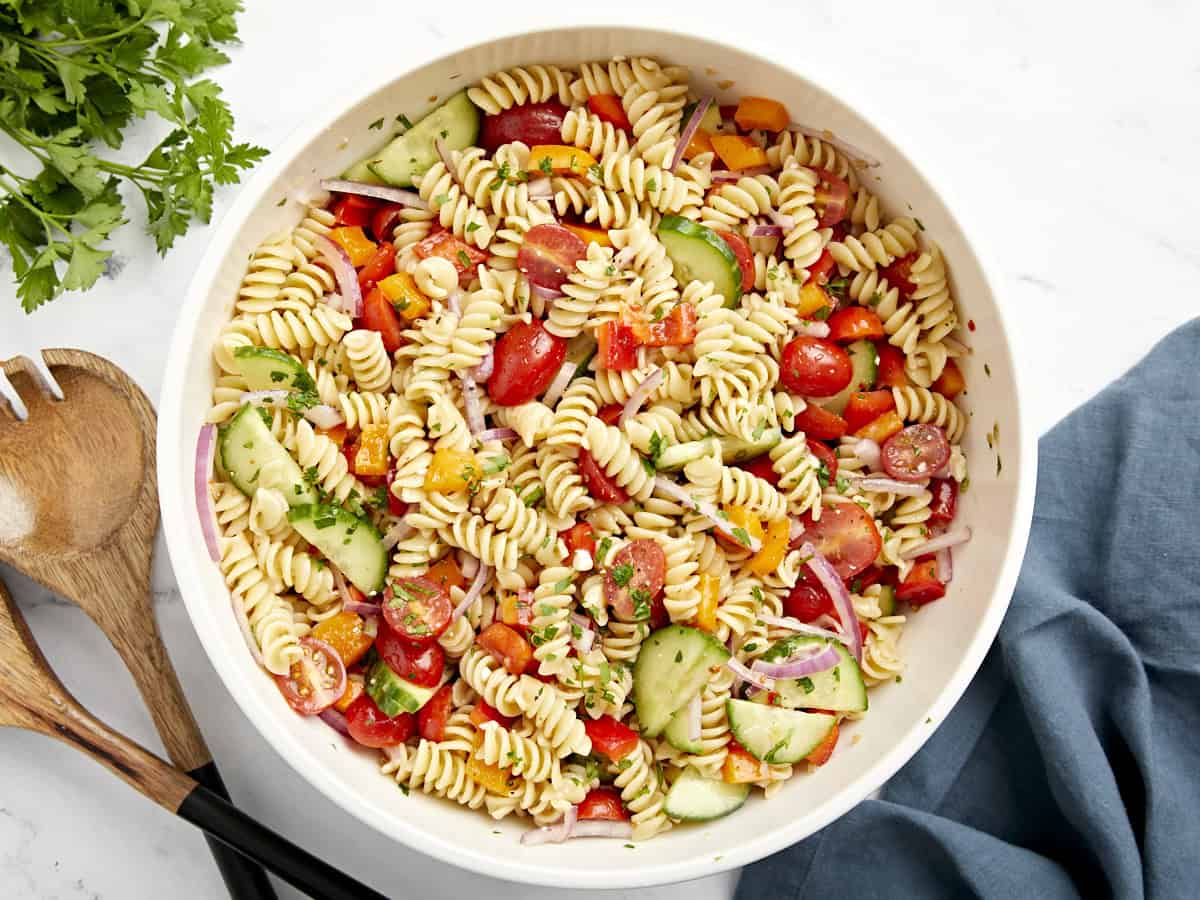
x: 11, y: 399
x: 41, y: 372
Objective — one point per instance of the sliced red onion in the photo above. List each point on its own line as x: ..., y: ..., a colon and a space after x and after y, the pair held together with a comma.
x: 486, y: 367
x: 387, y: 226
x: 471, y: 404
x: 861, y: 157
x: 540, y: 188
x: 649, y: 384
x: 836, y: 589
x: 552, y: 834
x: 624, y: 257
x: 745, y: 674
x: 689, y: 130
x: 467, y: 563
x: 497, y: 434
x: 243, y: 620
x: 693, y: 714
x: 790, y: 624
x: 444, y: 155
x: 813, y: 329
x: 265, y: 398
x: 473, y: 591
x: 397, y: 533
x: 706, y: 509
x: 366, y: 610
x: 582, y: 561
x: 868, y: 451
x: 951, y: 538
x: 343, y: 589
x: 783, y: 220
x: 891, y: 486
x: 206, y: 451
x: 323, y: 416
x: 824, y: 659
x: 454, y: 301
x: 547, y: 294
x: 336, y: 721
x: 587, y: 636
x: 771, y: 231
x: 725, y: 176
x: 378, y: 191
x: 602, y: 828
x: 945, y: 565
x: 343, y: 271
x: 565, y: 373
x: 795, y: 530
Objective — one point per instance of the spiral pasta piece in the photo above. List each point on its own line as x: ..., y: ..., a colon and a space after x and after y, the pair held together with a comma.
x: 520, y: 85
x: 918, y: 404
x: 555, y: 721
x: 642, y: 792
x: 613, y: 453
x: 332, y: 472
x: 272, y: 621
x: 591, y: 279
x: 498, y: 688
x: 299, y: 331
x: 591, y: 133
x: 876, y: 248
x: 498, y: 746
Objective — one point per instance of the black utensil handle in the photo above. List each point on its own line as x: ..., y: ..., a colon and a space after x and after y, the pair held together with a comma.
x: 244, y: 879
x: 297, y: 867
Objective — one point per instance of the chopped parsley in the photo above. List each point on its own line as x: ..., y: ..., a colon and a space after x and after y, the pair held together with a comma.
x: 651, y: 185
x: 622, y: 573
x: 377, y: 124
x: 837, y: 286
x: 404, y: 121
x: 545, y: 165
x: 823, y: 475
x: 473, y: 226
x: 562, y: 586
x: 641, y: 603
x: 463, y: 258
x: 602, y: 550
x: 656, y: 448
x: 806, y: 684
x: 823, y: 313
x: 741, y: 536
x: 759, y: 429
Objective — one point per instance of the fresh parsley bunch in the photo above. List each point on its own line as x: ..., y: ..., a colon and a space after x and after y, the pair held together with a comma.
x: 73, y: 75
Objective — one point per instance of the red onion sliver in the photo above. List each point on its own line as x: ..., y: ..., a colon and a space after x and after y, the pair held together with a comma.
x: 467, y: 563
x: 813, y: 329
x: 795, y: 529
x: 471, y: 403
x: 706, y: 509
x: 649, y: 384
x: 587, y: 636
x: 951, y: 538
x: 685, y: 136
x: 366, y: 610
x: 323, y: 416
x: 497, y: 434
x: 447, y: 161
x: 602, y: 828
x: 243, y: 620
x: 552, y: 834
x: 824, y: 659
x: 892, y: 486
x: 857, y: 156
x: 693, y: 712
x: 791, y: 624
x: 744, y: 674
x: 725, y: 176
x: 206, y: 451
x: 378, y: 191
x: 773, y: 231
x: 565, y: 373
x: 343, y: 271
x: 336, y: 721
x: 487, y: 365
x: 540, y: 188
x: 868, y: 451
x: 265, y: 398
x: 945, y: 565
x: 833, y: 585
x: 343, y: 589
x: 454, y: 301
x: 397, y: 533
x: 783, y: 220
x: 473, y: 591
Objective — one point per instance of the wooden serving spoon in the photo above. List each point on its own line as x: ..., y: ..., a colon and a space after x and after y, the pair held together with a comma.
x: 32, y: 697
x: 78, y: 514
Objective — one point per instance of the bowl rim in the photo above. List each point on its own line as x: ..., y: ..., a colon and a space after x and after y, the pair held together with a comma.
x: 186, y: 558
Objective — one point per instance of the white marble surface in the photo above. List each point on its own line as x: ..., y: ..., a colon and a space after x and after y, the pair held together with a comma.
x: 1068, y: 135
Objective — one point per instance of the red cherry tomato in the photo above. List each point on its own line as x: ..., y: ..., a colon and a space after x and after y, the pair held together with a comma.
x: 819, y: 271
x: 866, y: 406
x: 845, y: 535
x: 808, y: 602
x: 431, y: 720
x: 610, y: 738
x: 677, y: 329
x: 603, y: 803
x: 396, y: 506
x: 745, y: 257
x: 921, y: 585
x: 379, y: 315
x: 827, y: 458
x: 608, y: 107
x: 944, y: 504
x: 463, y: 256
x: 763, y: 468
x: 609, y: 414
x: 422, y: 665
x: 854, y: 323
x: 316, y: 681
x: 506, y: 646
x: 634, y: 580
x: 915, y: 453
x: 531, y: 124
x: 418, y: 609
x: 352, y: 209
x: 527, y: 358
x: 384, y: 221
x: 379, y: 266
x: 548, y: 255
x: 580, y: 536
x: 899, y: 274
x: 833, y: 197
x: 483, y: 713
x: 819, y: 423
x: 617, y: 345
x: 599, y: 485
x: 815, y: 367
x: 890, y: 372
x: 371, y: 728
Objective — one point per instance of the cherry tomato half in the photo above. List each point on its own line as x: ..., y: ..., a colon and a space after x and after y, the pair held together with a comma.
x: 745, y: 257
x: 845, y: 535
x: 530, y: 123
x: 820, y: 423
x: 610, y: 738
x: 603, y: 803
x: 890, y: 372
x: 635, y: 579
x: 527, y: 358
x: 599, y: 485
x: 417, y: 609
x: 432, y: 717
x: 610, y: 414
x: 915, y: 453
x: 380, y: 265
x: 815, y: 367
x: 385, y: 220
x: 854, y: 323
x: 899, y: 274
x: 866, y: 406
x: 507, y: 647
x: 371, y: 728
x: 921, y: 585
x: 609, y: 109
x: 483, y: 713
x: 379, y: 315
x: 832, y: 200
x: 808, y: 602
x: 819, y: 271
x: 316, y: 680
x: 422, y: 665
x: 580, y: 536
x: 944, y: 504
x: 548, y: 255
x: 763, y: 468
x: 827, y: 458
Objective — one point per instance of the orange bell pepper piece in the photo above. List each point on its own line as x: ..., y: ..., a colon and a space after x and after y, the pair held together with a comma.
x: 950, y: 383
x: 774, y: 547
x: 451, y: 471
x: 559, y: 159
x: 813, y: 298
x: 701, y: 142
x: 590, y: 235
x: 495, y: 779
x: 710, y: 597
x: 882, y: 428
x: 824, y: 750
x: 447, y: 573
x: 357, y: 245
x: 346, y: 633
x: 741, y: 517
x: 372, y: 456
x: 738, y: 152
x: 402, y: 292
x: 354, y: 690
x: 740, y: 767
x: 337, y: 433
x: 761, y: 112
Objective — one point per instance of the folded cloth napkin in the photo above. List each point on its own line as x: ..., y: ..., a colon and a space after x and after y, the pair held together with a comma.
x: 1070, y: 768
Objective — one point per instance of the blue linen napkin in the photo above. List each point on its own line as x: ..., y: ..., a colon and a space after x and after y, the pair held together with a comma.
x: 1070, y: 768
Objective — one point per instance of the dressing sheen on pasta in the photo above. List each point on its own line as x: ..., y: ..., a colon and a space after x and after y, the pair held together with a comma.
x: 637, y: 379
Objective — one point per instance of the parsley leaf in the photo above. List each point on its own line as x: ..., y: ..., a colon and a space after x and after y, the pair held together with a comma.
x: 622, y: 573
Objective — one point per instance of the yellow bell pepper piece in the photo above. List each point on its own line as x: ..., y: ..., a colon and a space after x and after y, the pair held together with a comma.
x: 882, y: 428
x: 774, y: 547
x: 812, y: 298
x: 352, y: 239
x: 710, y: 598
x: 559, y: 159
x: 738, y: 152
x: 495, y: 779
x: 590, y: 235
x: 742, y: 768
x: 402, y: 292
x: 741, y: 517
x: 346, y: 633
x: 372, y: 456
x: 354, y: 690
x: 451, y: 471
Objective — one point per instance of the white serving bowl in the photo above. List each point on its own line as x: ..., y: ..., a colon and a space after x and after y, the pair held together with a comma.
x: 943, y: 645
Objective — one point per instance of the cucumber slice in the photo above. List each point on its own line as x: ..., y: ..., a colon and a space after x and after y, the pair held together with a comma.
x: 676, y: 733
x: 733, y: 449
x: 392, y: 694
x: 677, y: 456
x: 455, y: 122
x: 361, y: 171
x: 270, y: 370
x: 694, y: 798
x: 864, y: 362
x: 840, y: 688
x: 699, y: 254
x: 777, y: 736
x: 887, y: 600
x: 580, y: 350
x: 352, y: 544
x: 247, y: 445
x: 671, y: 667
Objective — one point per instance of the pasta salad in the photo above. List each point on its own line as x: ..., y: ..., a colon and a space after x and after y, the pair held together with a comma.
x: 581, y: 453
